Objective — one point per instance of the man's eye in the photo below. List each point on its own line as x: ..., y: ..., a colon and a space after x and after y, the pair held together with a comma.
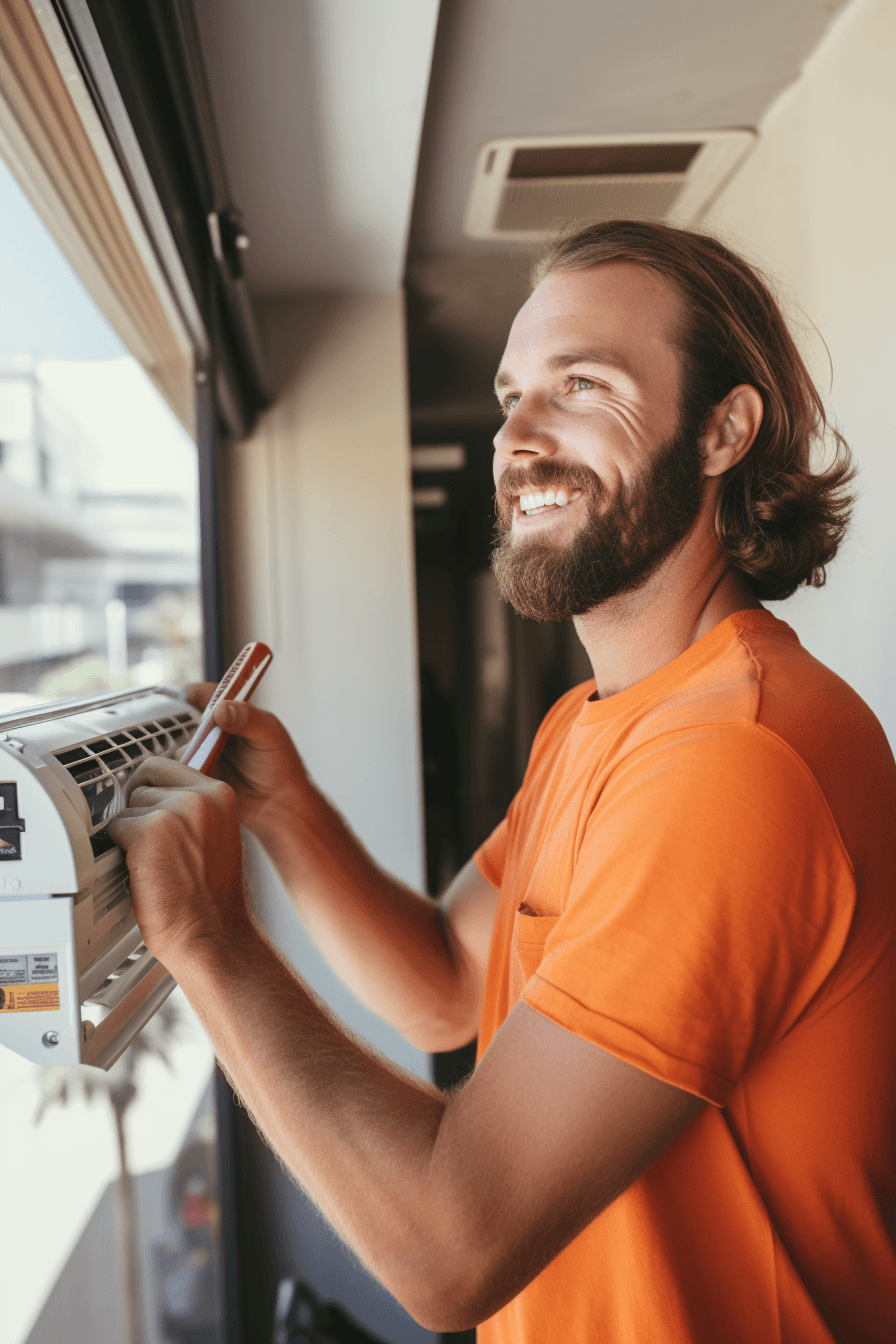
x: 508, y: 402
x: 581, y: 384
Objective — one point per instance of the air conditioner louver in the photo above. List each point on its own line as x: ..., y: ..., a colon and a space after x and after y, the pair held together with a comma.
x: 101, y: 767
x: 527, y: 189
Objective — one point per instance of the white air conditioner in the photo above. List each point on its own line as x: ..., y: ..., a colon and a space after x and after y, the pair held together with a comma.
x: 527, y: 187
x: 76, y: 982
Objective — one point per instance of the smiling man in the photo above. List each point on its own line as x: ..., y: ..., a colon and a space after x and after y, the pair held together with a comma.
x: 679, y: 948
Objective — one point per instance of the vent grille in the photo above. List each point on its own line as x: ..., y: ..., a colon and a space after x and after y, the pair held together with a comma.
x: 110, y: 890
x: 101, y: 767
x: 543, y: 206
x: 528, y: 187
x: 602, y: 160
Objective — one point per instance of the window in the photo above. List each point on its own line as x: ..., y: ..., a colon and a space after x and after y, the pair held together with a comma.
x: 109, y: 1195
x: 99, y: 571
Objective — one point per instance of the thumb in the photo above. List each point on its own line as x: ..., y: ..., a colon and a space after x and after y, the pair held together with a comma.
x: 256, y: 726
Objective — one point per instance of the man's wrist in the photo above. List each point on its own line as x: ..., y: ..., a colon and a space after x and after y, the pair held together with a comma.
x: 287, y: 811
x: 214, y: 955
x: 295, y: 830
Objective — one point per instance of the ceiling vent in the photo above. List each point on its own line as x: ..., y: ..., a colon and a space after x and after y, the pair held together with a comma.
x: 528, y: 188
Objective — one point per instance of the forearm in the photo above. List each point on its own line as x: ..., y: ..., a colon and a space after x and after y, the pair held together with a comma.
x: 358, y: 1135
x: 455, y: 1203
x: 388, y: 943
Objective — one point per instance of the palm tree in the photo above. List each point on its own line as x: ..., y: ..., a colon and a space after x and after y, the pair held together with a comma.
x: 60, y: 1084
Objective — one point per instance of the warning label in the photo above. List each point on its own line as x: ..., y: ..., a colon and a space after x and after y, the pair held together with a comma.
x: 29, y: 982
x: 29, y: 998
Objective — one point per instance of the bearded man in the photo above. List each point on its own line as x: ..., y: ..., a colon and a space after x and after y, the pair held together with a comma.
x: 678, y: 949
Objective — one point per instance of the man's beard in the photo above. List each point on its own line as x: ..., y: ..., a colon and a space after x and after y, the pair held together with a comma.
x: 623, y: 540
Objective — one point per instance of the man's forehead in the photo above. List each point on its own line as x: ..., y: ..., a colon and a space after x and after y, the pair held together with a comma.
x: 617, y: 313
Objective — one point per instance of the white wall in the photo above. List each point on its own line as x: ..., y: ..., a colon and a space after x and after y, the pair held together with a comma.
x: 320, y: 105
x: 320, y: 496
x: 815, y: 205
x: 320, y: 560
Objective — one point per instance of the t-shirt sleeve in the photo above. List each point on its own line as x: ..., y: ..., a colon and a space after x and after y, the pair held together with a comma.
x: 711, y: 897
x: 491, y: 854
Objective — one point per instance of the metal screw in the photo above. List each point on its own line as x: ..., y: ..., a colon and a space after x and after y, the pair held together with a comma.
x: 50, y: 1038
x: 202, y: 376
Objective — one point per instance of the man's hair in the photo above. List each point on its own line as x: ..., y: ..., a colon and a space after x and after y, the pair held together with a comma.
x: 778, y: 521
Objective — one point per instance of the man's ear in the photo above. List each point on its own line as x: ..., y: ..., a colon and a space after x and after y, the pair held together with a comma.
x: 730, y: 430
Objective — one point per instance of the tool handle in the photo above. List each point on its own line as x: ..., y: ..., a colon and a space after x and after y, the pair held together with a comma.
x: 238, y: 683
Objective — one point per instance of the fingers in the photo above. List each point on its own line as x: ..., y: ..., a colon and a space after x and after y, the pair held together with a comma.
x: 148, y: 804
x: 261, y: 729
x: 146, y: 796
x: 168, y: 774
x: 199, y: 693
x: 121, y: 828
x: 257, y: 727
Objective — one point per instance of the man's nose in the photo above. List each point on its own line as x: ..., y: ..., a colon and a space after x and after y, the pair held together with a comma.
x: 524, y: 434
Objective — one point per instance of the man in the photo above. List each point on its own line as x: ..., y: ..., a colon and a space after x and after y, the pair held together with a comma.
x: 678, y: 949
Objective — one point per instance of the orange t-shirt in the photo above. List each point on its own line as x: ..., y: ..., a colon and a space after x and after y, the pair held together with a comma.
x: 711, y: 859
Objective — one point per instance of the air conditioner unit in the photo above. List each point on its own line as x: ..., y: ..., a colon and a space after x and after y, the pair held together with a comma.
x: 76, y: 982
x: 526, y: 188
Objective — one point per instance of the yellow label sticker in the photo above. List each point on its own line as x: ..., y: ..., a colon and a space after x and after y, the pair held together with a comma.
x: 29, y: 998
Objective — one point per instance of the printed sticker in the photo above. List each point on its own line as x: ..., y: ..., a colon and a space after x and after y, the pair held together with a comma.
x: 43, y: 967
x: 14, y: 970
x: 29, y: 998
x: 29, y: 982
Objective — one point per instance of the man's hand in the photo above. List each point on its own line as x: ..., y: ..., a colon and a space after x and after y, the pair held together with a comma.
x: 260, y: 763
x: 181, y: 837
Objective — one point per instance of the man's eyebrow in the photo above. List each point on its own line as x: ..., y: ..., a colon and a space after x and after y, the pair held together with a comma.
x: 609, y: 358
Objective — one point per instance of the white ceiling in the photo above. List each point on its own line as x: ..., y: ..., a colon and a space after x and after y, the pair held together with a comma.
x: 505, y: 68
x: 547, y: 67
x: 320, y: 104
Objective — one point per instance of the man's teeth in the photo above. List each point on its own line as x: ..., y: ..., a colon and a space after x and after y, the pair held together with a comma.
x: 550, y: 498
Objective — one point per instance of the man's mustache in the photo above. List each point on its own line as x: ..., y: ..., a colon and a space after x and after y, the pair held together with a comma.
x: 545, y: 474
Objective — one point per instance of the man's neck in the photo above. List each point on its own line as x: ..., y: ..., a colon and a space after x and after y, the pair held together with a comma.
x: 635, y: 634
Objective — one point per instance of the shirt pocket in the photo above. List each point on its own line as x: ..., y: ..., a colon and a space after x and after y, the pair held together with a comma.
x: 530, y: 932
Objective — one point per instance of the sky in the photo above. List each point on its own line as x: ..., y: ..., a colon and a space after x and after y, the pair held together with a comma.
x: 140, y: 445
x: 44, y: 309
x: 48, y: 316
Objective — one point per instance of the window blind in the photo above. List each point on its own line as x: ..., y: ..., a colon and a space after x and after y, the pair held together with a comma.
x: 55, y: 145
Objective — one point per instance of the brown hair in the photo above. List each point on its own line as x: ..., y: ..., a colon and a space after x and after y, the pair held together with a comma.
x: 778, y: 521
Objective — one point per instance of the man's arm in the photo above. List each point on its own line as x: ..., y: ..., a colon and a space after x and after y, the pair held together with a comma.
x: 417, y: 963
x: 455, y: 1204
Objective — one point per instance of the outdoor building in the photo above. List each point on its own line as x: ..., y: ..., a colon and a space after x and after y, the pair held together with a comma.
x: 99, y: 589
